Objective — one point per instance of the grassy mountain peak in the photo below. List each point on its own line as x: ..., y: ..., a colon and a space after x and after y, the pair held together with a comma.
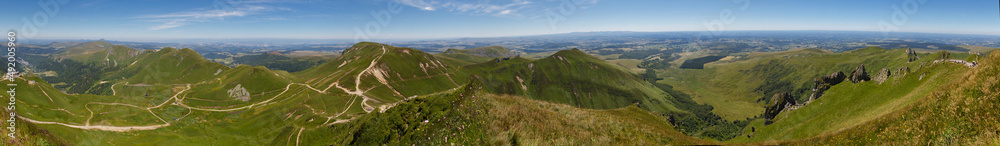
x: 568, y: 77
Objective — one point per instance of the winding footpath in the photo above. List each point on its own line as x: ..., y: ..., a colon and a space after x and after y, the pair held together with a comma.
x: 178, y: 100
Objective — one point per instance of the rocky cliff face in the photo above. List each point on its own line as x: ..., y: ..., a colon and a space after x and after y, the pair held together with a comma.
x: 882, y: 75
x: 859, y: 75
x: 778, y: 103
x: 823, y: 83
x: 911, y: 55
x: 834, y: 78
x: 903, y: 70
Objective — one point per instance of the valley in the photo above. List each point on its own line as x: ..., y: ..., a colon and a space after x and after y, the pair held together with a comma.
x: 473, y: 94
x: 501, y: 72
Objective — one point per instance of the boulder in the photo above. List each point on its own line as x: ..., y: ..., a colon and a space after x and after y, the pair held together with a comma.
x: 911, y: 55
x: 903, y: 70
x: 834, y: 78
x: 859, y: 75
x: 778, y: 103
x: 823, y: 83
x: 882, y: 75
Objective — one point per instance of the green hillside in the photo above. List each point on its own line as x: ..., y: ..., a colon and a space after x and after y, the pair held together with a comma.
x: 379, y: 94
x: 477, y: 55
x: 739, y: 89
x: 259, y: 83
x: 99, y: 53
x: 170, y: 66
x: 278, y: 61
x: 961, y: 112
x: 940, y: 104
x: 369, y: 81
x: 468, y: 116
x: 81, y: 68
x: 572, y: 77
x: 383, y: 74
x: 848, y: 105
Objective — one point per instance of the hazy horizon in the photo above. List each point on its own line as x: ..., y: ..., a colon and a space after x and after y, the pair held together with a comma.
x: 446, y: 19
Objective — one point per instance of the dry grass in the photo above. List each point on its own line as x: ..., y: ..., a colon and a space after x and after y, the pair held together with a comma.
x: 963, y: 113
x: 525, y: 121
x: 979, y: 49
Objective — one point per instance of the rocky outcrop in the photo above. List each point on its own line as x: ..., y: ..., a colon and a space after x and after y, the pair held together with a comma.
x: 972, y: 64
x: 903, y: 70
x: 911, y: 55
x: 834, y: 78
x: 882, y: 75
x: 823, y: 83
x: 239, y: 93
x: 859, y: 75
x: 778, y: 103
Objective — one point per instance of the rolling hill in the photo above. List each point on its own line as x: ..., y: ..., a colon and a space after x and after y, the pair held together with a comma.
x: 380, y: 94
x: 477, y: 55
x: 383, y: 74
x: 278, y: 61
x: 740, y: 88
x: 99, y: 53
x: 470, y: 116
x: 568, y: 77
x: 939, y: 104
x: 167, y: 93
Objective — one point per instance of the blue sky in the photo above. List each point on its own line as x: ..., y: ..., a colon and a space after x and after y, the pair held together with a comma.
x: 425, y: 19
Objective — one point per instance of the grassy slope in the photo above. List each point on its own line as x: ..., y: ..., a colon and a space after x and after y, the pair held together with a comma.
x: 477, y: 55
x: 572, y: 77
x: 284, y: 62
x: 979, y: 49
x: 97, y: 59
x: 261, y: 83
x: 83, y: 52
x: 286, y: 116
x: 299, y: 113
x: 468, y: 116
x: 736, y: 88
x: 171, y: 66
x: 847, y: 105
x: 406, y: 72
x: 242, y: 127
x: 961, y: 113
x: 99, y: 53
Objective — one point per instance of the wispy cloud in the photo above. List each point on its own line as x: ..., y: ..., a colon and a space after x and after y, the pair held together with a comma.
x: 220, y: 12
x: 515, y: 8
x: 93, y: 4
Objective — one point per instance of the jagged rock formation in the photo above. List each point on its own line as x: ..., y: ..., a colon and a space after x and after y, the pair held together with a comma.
x: 972, y: 64
x: 903, y: 70
x: 778, y: 103
x: 911, y: 55
x: 944, y: 55
x: 239, y: 93
x: 834, y: 78
x: 859, y: 75
x: 823, y: 83
x: 882, y: 75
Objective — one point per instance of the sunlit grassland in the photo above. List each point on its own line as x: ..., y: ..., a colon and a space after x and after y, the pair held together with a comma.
x: 963, y: 112
x: 739, y: 88
x: 469, y: 116
x: 572, y: 77
x: 848, y: 105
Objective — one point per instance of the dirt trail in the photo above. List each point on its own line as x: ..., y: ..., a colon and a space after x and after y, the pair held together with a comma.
x: 358, y: 92
x: 104, y: 128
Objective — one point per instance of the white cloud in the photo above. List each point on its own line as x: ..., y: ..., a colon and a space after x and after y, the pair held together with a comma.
x: 220, y: 12
x: 515, y: 8
x: 169, y: 24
